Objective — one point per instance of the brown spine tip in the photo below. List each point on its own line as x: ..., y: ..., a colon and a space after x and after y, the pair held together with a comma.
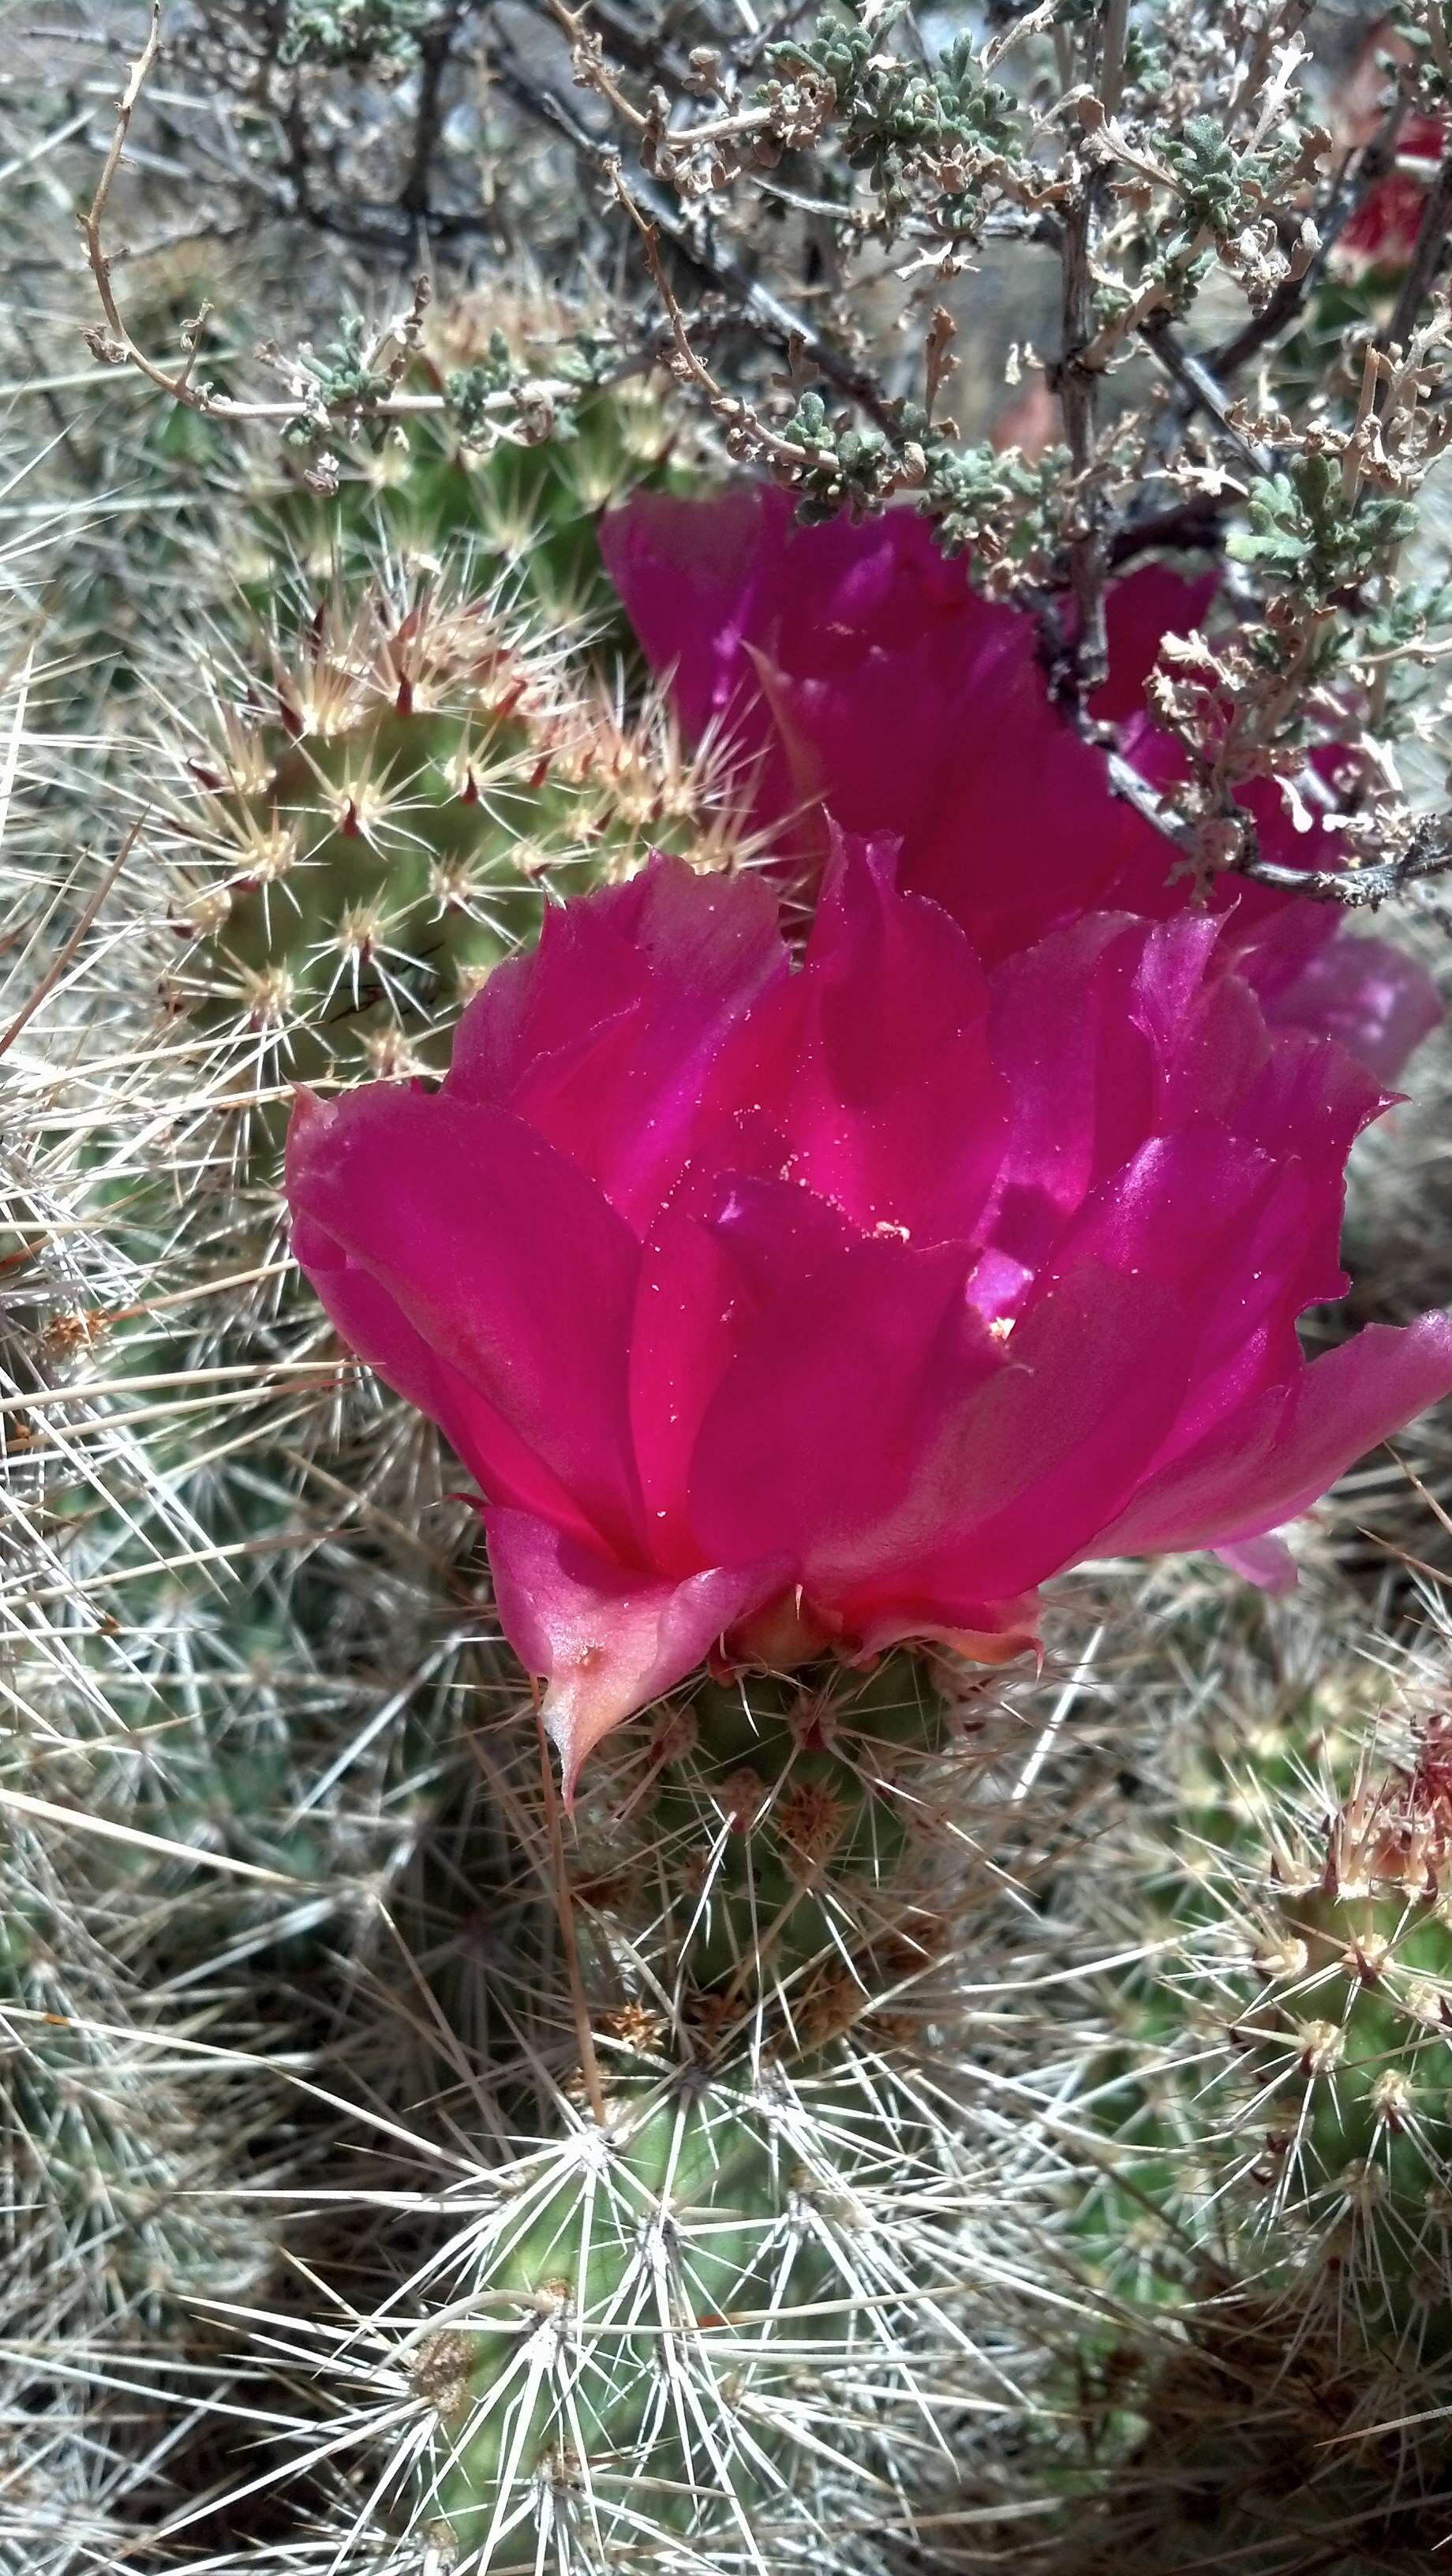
x: 1331, y: 1875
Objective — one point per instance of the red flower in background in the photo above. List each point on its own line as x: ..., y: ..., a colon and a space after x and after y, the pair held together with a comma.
x: 1382, y: 233
x: 849, y: 1302
x: 860, y: 677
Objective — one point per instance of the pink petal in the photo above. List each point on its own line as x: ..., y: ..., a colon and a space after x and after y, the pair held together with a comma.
x: 697, y: 578
x: 897, y: 771
x: 1377, y: 1001
x: 608, y: 1638
x: 1309, y: 1097
x: 815, y: 1432
x: 1269, y: 1462
x: 1086, y: 1074
x: 685, y: 1336
x: 1209, y: 1035
x: 885, y: 580
x: 873, y: 1061
x: 871, y: 949
x: 1266, y: 1562
x: 375, y: 1327
x: 999, y: 852
x: 725, y: 1244
x: 1222, y: 1226
x: 774, y: 1232
x: 1156, y: 1042
x: 1307, y: 1106
x: 604, y: 1040
x: 531, y: 1036
x: 872, y: 1433
x: 987, y: 1632
x: 1015, y: 1483
x: 458, y: 1218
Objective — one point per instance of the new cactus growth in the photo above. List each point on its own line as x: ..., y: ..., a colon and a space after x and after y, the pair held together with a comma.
x: 516, y: 512
x: 382, y: 818
x: 1345, y: 2055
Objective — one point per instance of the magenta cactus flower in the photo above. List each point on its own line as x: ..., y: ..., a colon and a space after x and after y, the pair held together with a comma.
x: 783, y: 1307
x: 861, y: 680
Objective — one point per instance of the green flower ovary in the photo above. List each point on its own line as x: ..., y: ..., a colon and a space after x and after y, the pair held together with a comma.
x: 765, y: 1833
